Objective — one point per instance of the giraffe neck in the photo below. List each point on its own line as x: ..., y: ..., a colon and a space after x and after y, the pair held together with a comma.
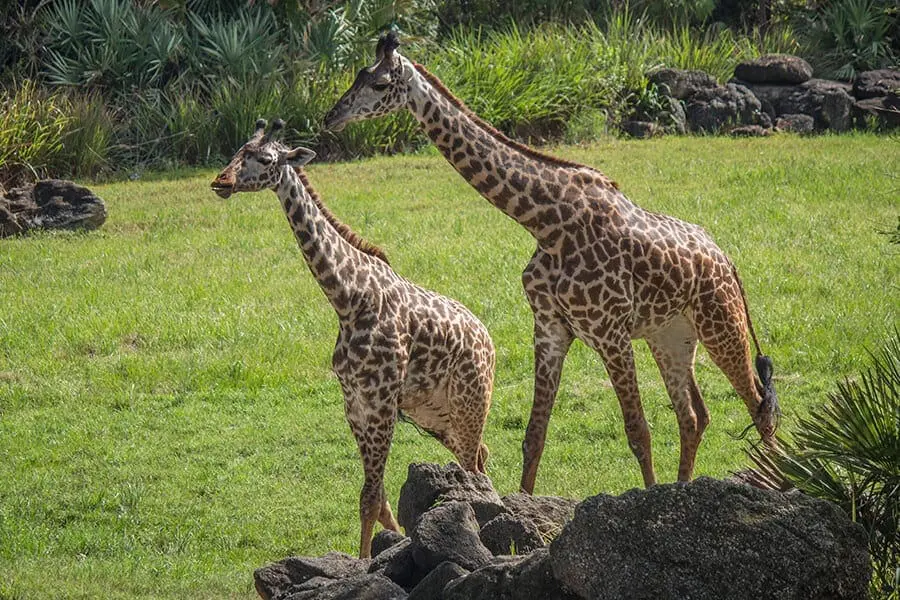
x: 333, y: 261
x: 525, y: 185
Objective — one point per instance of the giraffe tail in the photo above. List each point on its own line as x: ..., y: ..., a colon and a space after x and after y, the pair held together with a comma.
x: 768, y: 414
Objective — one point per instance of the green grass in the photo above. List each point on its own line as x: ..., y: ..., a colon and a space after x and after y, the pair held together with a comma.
x: 168, y: 419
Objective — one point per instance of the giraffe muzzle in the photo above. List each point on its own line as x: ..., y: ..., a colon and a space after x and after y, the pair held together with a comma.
x: 333, y: 121
x: 223, y: 190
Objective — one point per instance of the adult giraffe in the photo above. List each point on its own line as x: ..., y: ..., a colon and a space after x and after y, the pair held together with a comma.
x: 605, y: 270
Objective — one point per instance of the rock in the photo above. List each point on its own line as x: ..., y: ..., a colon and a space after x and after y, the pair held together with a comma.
x: 358, y: 587
x: 711, y: 110
x: 892, y: 100
x: 277, y: 578
x: 640, y: 129
x: 774, y: 68
x: 386, y: 557
x: 680, y: 84
x: 521, y: 578
x: 510, y: 534
x: 448, y: 532
x: 828, y: 102
x: 875, y: 111
x: 549, y: 513
x: 432, y: 586
x: 402, y: 569
x: 50, y: 204
x: 384, y: 539
x: 795, y: 123
x: 711, y: 539
x: 874, y: 84
x: 749, y: 131
x: 427, y: 484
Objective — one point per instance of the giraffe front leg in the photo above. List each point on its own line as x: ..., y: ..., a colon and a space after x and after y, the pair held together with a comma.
x: 373, y: 430
x: 552, y: 340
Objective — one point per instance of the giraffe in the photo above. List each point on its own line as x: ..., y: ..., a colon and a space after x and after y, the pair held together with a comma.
x: 604, y: 271
x: 399, y: 348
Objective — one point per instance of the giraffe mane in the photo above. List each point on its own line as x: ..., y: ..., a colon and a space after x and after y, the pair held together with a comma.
x: 353, y: 238
x: 499, y: 135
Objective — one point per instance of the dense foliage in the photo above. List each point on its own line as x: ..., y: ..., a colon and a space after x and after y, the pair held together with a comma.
x: 848, y: 452
x: 141, y: 85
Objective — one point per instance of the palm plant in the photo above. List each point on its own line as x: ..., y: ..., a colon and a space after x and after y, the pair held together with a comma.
x: 849, y: 453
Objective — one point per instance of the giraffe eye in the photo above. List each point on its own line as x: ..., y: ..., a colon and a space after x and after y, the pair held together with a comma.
x: 265, y: 160
x: 380, y: 87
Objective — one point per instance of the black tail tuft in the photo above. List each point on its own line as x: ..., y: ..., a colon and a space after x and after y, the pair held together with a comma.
x: 766, y: 388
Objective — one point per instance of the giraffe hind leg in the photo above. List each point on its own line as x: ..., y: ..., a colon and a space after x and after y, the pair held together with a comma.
x: 674, y: 348
x: 469, y: 399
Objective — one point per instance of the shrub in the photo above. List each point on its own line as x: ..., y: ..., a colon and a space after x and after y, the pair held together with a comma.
x: 849, y: 453
x: 32, y: 124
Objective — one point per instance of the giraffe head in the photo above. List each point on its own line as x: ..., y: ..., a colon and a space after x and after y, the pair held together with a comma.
x: 378, y: 90
x: 258, y: 164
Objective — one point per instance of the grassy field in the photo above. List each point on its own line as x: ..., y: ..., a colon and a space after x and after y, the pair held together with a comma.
x: 155, y: 443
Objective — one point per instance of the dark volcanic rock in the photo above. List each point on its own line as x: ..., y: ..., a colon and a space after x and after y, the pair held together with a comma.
x: 384, y: 539
x: 432, y: 586
x: 876, y: 111
x: 681, y: 84
x: 399, y: 566
x: 549, y: 513
x: 510, y: 534
x: 774, y: 68
x: 711, y: 110
x: 448, y: 532
x: 711, y: 539
x: 874, y: 84
x: 520, y: 578
x: 640, y: 129
x: 750, y: 131
x: 358, y: 587
x: 427, y: 484
x: 828, y: 102
x: 50, y: 204
x: 278, y: 578
x: 795, y: 123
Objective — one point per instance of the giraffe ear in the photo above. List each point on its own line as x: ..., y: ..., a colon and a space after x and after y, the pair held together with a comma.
x: 299, y: 156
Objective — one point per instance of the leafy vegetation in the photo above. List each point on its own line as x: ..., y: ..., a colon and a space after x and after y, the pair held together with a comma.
x: 849, y: 454
x: 168, y: 419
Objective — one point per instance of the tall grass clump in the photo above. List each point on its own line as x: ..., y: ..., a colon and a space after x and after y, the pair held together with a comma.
x: 32, y: 125
x: 848, y: 452
x: 539, y: 78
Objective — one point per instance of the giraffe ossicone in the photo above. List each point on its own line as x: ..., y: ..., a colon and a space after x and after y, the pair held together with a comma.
x: 400, y: 347
x: 604, y: 271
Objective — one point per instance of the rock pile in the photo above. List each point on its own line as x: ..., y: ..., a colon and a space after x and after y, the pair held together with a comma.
x: 773, y: 90
x: 706, y: 539
x: 50, y: 204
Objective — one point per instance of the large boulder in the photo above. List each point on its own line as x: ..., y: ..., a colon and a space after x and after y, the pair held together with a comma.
x: 711, y: 539
x: 795, y: 123
x: 277, y: 579
x: 681, y: 84
x: 875, y: 84
x: 50, y: 204
x: 448, y: 532
x: 720, y: 108
x: 828, y: 102
x: 358, y: 587
x: 428, y: 484
x: 432, y: 586
x: 518, y: 578
x: 384, y: 539
x: 548, y: 513
x: 510, y: 534
x: 877, y: 111
x: 774, y: 68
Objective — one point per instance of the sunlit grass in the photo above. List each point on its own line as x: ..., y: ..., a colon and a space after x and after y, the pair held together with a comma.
x: 168, y: 419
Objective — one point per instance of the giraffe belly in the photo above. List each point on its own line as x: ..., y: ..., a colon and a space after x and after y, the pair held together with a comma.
x: 428, y: 409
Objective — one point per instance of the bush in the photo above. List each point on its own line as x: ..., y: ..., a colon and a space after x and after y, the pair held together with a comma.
x: 32, y: 125
x: 849, y: 454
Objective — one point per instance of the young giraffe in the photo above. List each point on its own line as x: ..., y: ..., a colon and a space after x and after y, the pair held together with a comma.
x: 605, y: 270
x: 400, y: 347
